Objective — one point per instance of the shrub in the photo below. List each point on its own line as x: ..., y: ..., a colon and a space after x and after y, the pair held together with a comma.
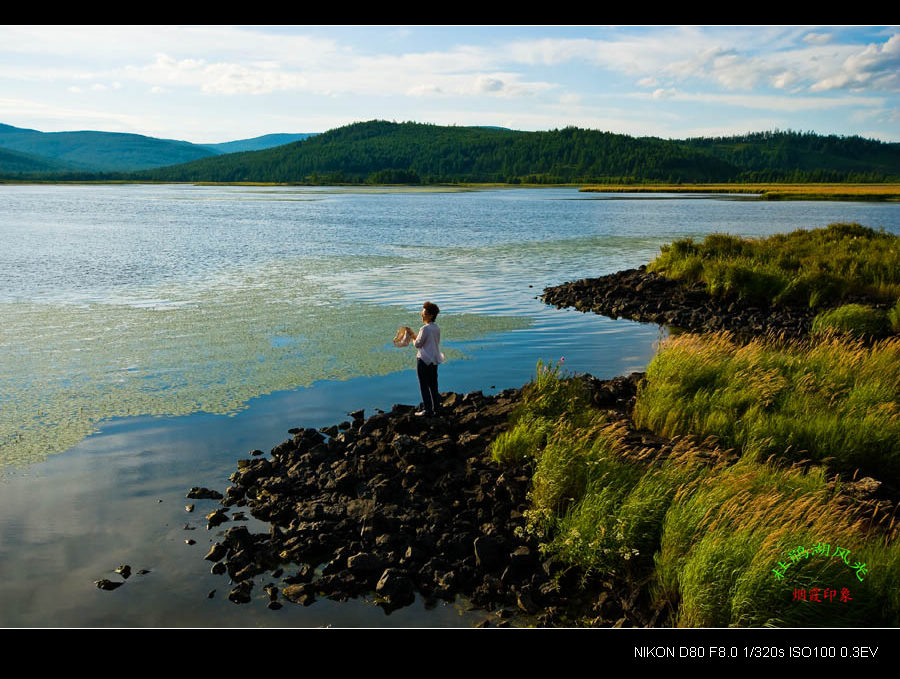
x: 830, y: 399
x: 855, y: 320
x: 894, y: 317
x: 816, y: 268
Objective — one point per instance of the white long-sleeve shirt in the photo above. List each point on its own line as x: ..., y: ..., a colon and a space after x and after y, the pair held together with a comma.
x: 428, y: 344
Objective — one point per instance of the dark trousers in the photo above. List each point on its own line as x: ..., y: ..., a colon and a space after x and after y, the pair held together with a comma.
x: 428, y: 384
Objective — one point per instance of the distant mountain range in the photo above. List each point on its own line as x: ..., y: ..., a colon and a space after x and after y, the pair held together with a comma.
x: 31, y: 151
x: 381, y: 152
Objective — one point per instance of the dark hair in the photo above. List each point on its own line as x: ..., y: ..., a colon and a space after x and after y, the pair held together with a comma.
x: 431, y: 309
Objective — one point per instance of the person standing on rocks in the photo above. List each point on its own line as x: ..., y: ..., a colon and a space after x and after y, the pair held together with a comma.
x: 428, y: 357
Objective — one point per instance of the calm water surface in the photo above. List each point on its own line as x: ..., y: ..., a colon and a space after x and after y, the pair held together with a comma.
x: 153, y: 335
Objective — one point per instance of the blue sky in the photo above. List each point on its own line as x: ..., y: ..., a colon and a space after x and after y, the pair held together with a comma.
x: 220, y: 83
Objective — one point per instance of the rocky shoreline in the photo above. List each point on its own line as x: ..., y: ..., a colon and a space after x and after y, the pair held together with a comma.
x: 642, y: 295
x: 395, y: 505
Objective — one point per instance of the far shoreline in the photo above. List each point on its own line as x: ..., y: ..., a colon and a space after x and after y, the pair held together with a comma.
x: 886, y: 192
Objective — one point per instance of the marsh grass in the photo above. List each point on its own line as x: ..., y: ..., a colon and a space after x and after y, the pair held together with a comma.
x: 769, y: 191
x: 893, y: 316
x: 727, y: 532
x: 549, y: 401
x: 817, y: 268
x: 855, y: 320
x: 708, y: 533
x: 834, y: 401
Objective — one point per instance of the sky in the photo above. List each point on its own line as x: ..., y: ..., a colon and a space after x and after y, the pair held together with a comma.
x: 210, y: 84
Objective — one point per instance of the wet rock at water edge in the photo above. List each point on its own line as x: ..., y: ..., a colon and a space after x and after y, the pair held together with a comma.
x: 216, y: 518
x: 216, y: 552
x: 198, y: 493
x: 395, y: 588
x: 107, y: 585
x: 124, y: 570
x: 241, y: 593
x: 394, y: 506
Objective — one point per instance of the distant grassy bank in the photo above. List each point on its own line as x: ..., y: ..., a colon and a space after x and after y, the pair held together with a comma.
x: 848, y: 191
x: 767, y: 191
x: 708, y: 537
x: 754, y: 512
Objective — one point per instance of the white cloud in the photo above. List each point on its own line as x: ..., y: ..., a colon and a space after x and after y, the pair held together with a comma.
x: 875, y: 67
x: 818, y: 38
x: 767, y: 102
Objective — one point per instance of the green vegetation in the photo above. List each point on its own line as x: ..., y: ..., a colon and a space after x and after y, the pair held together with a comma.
x: 31, y: 154
x: 856, y: 320
x: 434, y: 154
x: 893, y: 316
x: 819, y: 267
x: 381, y: 152
x: 548, y: 403
x: 801, y: 157
x: 831, y: 400
x: 88, y: 152
x: 721, y: 543
x: 749, y: 503
x: 767, y: 191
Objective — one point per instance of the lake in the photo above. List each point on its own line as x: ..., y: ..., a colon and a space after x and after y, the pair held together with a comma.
x: 152, y: 335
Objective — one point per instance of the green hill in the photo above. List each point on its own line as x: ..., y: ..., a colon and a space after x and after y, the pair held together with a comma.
x: 257, y: 143
x: 383, y: 152
x: 803, y: 156
x: 100, y: 151
x: 112, y: 152
x: 17, y: 162
x: 386, y: 152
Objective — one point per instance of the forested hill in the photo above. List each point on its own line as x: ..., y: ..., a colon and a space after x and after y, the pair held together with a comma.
x: 796, y: 156
x: 385, y: 152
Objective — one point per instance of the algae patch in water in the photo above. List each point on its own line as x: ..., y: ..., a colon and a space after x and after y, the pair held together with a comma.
x: 206, y: 346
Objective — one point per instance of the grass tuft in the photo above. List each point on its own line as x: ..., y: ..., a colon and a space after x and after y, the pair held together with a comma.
x: 817, y: 268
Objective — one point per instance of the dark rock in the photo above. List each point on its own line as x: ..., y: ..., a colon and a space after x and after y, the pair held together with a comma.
x: 488, y: 553
x: 241, y: 593
x: 124, y: 570
x: 107, y: 584
x: 216, y: 552
x: 395, y: 587
x: 300, y: 593
x: 198, y: 493
x: 216, y: 518
x: 365, y: 562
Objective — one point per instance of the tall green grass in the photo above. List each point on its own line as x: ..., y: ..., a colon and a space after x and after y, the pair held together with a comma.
x: 855, y: 320
x: 547, y: 401
x: 728, y: 533
x: 818, y: 268
x: 833, y: 401
x: 708, y: 534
